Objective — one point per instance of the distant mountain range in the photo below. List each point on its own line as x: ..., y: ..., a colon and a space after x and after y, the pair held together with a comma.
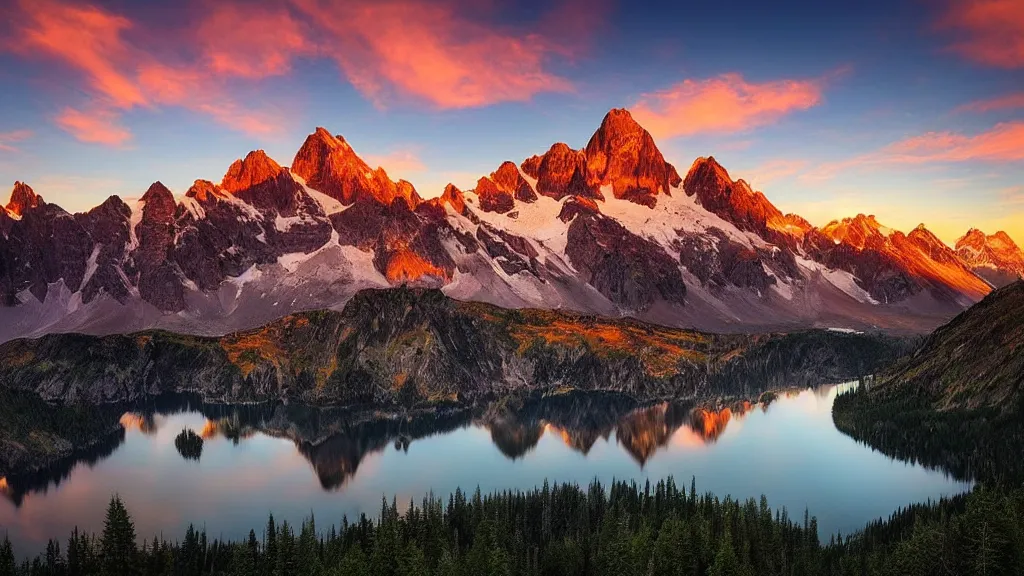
x: 610, y: 229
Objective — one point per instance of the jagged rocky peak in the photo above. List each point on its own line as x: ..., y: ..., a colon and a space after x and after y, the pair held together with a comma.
x: 562, y: 172
x: 405, y: 189
x: 737, y: 202
x: 253, y: 170
x: 531, y: 166
x: 508, y: 178
x: 453, y: 197
x: 857, y: 231
x: 577, y: 205
x: 158, y: 203
x: 1002, y: 240
x: 974, y: 239
x: 492, y: 198
x: 923, y: 235
x: 996, y: 257
x: 329, y: 164
x: 623, y: 155
x: 978, y: 240
x: 157, y: 193
x: 23, y: 198
x: 204, y: 190
x: 936, y: 249
x: 705, y: 178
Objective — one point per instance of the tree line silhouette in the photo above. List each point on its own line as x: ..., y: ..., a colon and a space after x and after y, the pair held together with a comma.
x: 621, y: 530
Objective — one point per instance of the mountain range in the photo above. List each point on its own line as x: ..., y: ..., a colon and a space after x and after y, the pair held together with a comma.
x: 610, y: 229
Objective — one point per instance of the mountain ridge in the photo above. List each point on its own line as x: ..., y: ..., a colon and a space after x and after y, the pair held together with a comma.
x: 610, y: 228
x: 403, y: 346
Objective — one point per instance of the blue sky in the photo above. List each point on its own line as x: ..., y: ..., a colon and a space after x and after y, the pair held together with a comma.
x: 907, y: 109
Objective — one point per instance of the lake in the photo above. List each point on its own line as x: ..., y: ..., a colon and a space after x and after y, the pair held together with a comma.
x: 292, y: 461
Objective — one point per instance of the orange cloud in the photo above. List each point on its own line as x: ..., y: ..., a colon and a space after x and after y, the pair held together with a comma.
x: 252, y: 42
x: 727, y: 103
x: 1002, y: 143
x: 990, y: 32
x: 191, y: 88
x: 98, y: 126
x: 432, y: 52
x: 86, y: 38
x: 8, y: 139
x: 1008, y: 102
x: 121, y: 75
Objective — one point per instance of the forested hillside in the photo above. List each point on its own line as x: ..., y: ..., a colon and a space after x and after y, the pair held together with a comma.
x: 564, y: 530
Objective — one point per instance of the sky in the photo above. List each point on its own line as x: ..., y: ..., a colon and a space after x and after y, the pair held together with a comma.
x: 911, y: 110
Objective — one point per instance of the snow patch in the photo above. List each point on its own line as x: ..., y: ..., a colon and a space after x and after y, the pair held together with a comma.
x: 252, y: 274
x: 329, y: 205
x: 841, y: 279
x: 193, y: 208
x: 91, y: 265
x: 133, y: 223
x: 537, y: 222
x: 291, y: 261
x: 284, y: 224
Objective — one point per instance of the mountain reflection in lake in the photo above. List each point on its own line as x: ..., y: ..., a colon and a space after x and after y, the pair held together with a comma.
x: 293, y: 460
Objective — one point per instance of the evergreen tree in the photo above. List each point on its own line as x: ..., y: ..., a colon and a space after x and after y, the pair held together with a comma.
x: 7, y: 565
x: 270, y: 549
x: 117, y: 546
x: 726, y: 562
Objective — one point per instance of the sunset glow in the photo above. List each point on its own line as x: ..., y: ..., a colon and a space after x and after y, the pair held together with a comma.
x: 108, y: 97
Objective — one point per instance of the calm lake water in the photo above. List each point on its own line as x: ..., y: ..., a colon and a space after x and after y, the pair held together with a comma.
x: 292, y: 462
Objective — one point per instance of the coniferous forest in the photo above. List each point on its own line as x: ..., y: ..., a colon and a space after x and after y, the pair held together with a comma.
x: 621, y: 530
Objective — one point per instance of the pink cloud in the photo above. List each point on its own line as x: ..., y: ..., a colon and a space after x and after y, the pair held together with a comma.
x: 120, y: 75
x: 250, y: 41
x: 8, y: 139
x: 97, y: 126
x: 432, y: 52
x: 438, y: 53
x: 1008, y: 102
x: 724, y: 104
x: 85, y: 38
x: 990, y: 32
x: 191, y: 88
x: 1002, y: 143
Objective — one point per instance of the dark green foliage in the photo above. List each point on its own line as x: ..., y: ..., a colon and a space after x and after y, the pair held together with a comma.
x: 958, y: 401
x: 189, y: 445
x: 118, y: 554
x: 983, y: 444
x: 34, y: 434
x: 621, y: 530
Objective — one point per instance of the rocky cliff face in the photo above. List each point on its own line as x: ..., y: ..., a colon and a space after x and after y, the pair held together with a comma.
x: 622, y: 155
x: 609, y: 228
x: 996, y: 257
x: 328, y: 164
x: 735, y: 202
x: 409, y: 347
